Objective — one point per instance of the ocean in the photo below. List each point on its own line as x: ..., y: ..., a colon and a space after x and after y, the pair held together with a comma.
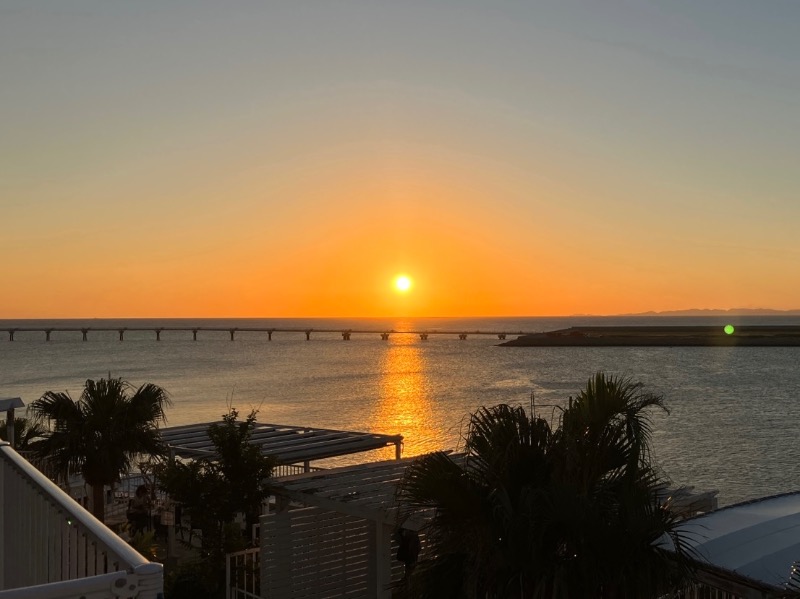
x: 733, y: 412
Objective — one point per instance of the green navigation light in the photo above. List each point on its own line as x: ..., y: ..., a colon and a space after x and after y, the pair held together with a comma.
x: 729, y: 329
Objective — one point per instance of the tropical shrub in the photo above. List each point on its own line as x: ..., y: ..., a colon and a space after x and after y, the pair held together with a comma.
x: 535, y: 509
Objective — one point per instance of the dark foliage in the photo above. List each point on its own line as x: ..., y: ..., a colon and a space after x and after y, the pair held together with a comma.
x: 543, y: 512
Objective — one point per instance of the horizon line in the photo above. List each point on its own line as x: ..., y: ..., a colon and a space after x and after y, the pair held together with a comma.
x: 654, y: 313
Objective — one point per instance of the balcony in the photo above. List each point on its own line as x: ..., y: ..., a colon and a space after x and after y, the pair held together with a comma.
x: 52, y: 548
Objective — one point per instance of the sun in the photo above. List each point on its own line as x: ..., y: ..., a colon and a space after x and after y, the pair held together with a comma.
x: 402, y: 283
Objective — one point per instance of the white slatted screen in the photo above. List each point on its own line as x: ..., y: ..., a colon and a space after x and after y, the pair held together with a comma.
x: 315, y: 553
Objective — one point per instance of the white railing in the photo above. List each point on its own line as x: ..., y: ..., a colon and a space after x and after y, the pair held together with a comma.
x: 243, y: 574
x: 51, y: 548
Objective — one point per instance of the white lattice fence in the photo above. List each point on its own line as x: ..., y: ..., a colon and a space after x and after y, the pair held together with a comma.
x: 312, y: 552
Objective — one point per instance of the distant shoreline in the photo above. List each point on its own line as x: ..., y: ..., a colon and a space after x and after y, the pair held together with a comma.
x: 717, y: 312
x: 662, y: 336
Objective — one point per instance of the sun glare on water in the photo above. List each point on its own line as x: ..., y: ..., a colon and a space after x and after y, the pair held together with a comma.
x: 402, y: 283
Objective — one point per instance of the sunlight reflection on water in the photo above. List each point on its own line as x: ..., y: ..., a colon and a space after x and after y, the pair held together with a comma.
x: 404, y: 404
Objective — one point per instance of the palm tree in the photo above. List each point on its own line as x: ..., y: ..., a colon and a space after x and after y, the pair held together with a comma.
x: 533, y: 511
x: 26, y: 431
x: 99, y: 435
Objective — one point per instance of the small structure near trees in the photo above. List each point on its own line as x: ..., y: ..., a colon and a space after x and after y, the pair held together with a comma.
x: 334, y: 531
x: 8, y: 405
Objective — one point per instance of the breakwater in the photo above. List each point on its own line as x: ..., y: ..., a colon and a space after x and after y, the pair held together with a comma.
x: 663, y: 336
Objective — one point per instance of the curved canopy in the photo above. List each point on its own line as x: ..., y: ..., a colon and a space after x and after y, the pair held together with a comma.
x: 758, y: 540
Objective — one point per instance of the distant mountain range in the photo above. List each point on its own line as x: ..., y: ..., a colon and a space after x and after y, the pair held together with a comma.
x: 718, y: 312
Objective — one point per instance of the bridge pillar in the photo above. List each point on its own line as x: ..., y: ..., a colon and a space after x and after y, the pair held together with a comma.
x: 121, y: 334
x: 501, y: 336
x: 269, y: 334
x: 462, y: 336
x: 85, y: 333
x: 385, y: 336
x: 194, y: 334
x: 158, y: 334
x: 232, y: 332
x: 47, y: 335
x: 11, y: 335
x: 423, y: 336
x: 346, y: 335
x: 308, y: 335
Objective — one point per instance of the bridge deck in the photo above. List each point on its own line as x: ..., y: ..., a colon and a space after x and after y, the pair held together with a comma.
x: 346, y: 333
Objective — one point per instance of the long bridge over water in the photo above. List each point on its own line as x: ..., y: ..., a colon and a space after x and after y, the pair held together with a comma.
x: 345, y: 333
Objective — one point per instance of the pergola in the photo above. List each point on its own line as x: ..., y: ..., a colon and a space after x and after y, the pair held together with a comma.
x: 288, y: 444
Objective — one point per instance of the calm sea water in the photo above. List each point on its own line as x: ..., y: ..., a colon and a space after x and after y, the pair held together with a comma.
x: 733, y: 422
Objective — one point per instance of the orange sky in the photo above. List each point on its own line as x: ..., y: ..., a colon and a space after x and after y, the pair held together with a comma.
x: 291, y: 161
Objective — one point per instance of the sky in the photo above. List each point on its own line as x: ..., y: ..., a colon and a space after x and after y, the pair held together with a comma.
x: 189, y: 158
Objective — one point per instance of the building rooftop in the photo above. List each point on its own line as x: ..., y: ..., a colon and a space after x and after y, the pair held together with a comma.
x: 758, y: 540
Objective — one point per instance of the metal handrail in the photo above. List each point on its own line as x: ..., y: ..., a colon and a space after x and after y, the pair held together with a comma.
x: 92, y: 525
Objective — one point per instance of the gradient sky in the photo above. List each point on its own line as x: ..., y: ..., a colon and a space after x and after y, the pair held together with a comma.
x: 288, y: 158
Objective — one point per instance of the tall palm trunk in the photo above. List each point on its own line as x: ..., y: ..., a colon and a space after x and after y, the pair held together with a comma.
x: 99, y: 502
